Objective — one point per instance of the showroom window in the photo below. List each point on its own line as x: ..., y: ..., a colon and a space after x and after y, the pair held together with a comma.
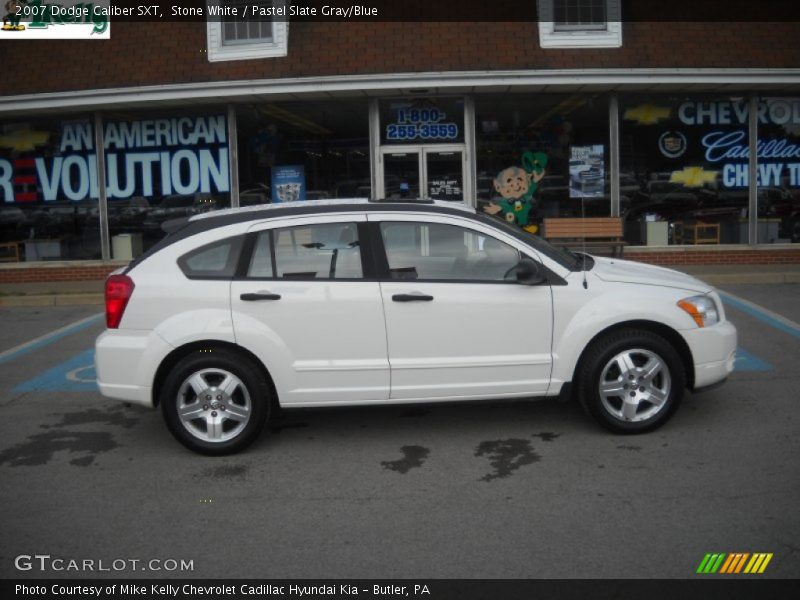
x: 158, y: 166
x: 542, y: 156
x: 580, y: 23
x: 683, y: 169
x: 48, y: 190
x: 305, y: 150
x: 232, y: 37
x: 778, y: 174
x: 162, y: 166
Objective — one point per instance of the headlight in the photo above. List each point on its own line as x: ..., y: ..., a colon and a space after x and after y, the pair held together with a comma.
x: 702, y: 309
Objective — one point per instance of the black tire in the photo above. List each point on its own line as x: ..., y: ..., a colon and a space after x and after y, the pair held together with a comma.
x: 642, y: 346
x: 251, y: 392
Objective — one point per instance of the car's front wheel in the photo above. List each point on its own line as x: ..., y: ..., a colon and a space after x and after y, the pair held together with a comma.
x: 631, y: 381
x: 215, y: 401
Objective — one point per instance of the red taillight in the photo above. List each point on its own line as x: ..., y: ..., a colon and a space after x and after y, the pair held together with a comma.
x: 118, y: 291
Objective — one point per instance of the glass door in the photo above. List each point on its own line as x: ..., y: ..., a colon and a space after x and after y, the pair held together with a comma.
x: 402, y: 173
x: 444, y: 174
x: 428, y: 171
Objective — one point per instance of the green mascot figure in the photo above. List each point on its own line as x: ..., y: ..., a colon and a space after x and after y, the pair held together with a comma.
x: 516, y: 186
x: 11, y: 21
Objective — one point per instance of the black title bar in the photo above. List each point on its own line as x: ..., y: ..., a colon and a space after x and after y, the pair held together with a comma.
x: 344, y: 11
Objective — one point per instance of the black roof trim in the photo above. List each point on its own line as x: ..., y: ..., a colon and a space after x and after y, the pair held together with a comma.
x: 180, y: 229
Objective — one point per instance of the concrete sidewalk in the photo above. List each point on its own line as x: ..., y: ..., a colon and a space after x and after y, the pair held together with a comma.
x: 67, y: 293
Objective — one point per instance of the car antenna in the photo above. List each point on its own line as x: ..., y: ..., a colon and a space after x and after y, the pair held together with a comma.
x: 583, y: 243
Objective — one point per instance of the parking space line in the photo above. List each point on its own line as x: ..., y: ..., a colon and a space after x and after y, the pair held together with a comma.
x: 764, y: 315
x: 47, y: 338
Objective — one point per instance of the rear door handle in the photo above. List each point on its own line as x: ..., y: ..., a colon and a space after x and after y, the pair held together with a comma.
x: 412, y: 298
x: 260, y: 296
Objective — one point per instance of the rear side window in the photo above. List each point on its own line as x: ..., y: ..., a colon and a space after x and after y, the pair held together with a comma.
x: 213, y: 261
x: 323, y: 251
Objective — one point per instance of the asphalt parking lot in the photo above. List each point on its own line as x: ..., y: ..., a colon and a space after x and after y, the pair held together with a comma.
x: 503, y: 490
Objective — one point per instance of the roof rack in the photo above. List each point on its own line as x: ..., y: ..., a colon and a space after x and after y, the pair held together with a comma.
x: 404, y: 200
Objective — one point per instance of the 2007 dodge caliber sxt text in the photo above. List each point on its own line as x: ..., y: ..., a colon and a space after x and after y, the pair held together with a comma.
x: 353, y: 302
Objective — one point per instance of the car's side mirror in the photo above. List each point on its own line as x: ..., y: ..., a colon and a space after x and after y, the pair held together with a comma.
x: 529, y: 272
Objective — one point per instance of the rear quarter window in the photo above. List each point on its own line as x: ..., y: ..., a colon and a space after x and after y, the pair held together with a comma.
x: 217, y: 260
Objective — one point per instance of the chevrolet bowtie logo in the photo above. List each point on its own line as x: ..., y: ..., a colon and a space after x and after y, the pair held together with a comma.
x: 24, y: 140
x: 646, y: 114
x: 693, y: 177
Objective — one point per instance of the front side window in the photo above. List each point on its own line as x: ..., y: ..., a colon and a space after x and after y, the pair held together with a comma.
x: 323, y: 251
x: 433, y: 251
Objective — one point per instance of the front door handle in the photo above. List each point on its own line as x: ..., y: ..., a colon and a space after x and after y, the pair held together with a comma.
x: 412, y: 298
x: 260, y: 296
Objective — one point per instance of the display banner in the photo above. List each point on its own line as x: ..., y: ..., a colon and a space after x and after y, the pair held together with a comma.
x: 147, y: 158
x: 288, y: 183
x: 705, y: 143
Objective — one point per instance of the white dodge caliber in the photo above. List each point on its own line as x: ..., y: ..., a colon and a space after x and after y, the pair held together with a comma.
x: 349, y: 302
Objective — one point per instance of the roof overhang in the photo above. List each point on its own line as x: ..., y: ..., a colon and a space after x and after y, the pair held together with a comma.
x: 723, y: 81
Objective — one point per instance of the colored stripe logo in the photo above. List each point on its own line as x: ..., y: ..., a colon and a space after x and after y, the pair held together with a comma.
x: 734, y: 563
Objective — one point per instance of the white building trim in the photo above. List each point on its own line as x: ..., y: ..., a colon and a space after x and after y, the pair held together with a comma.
x: 450, y: 82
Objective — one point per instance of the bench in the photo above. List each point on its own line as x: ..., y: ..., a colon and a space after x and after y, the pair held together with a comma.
x: 9, y: 251
x: 591, y: 232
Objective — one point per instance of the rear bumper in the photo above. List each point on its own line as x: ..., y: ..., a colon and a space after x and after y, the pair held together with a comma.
x: 126, y: 362
x: 713, y: 353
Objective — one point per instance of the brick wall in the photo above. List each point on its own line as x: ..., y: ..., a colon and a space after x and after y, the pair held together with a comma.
x: 718, y: 257
x: 34, y: 274
x: 169, y: 53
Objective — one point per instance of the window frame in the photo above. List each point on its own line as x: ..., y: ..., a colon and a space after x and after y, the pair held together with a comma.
x: 218, y: 51
x: 552, y: 36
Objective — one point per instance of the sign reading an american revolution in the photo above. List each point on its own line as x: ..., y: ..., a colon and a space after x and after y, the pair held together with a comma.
x: 155, y: 157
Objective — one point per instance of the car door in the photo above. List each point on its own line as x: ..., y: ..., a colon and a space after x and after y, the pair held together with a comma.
x: 311, y: 310
x: 458, y: 325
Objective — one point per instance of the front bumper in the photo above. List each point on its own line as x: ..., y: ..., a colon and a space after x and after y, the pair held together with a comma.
x: 713, y: 352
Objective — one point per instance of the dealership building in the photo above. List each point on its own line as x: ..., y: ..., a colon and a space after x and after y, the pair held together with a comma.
x: 689, y: 132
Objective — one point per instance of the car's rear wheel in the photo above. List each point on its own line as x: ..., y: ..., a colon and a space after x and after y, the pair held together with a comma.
x: 631, y: 381
x: 215, y: 401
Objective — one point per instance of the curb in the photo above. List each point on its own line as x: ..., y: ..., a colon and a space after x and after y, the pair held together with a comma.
x: 736, y: 278
x: 52, y: 300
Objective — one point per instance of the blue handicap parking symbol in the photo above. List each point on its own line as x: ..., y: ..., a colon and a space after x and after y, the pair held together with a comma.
x: 750, y: 362
x: 75, y: 375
